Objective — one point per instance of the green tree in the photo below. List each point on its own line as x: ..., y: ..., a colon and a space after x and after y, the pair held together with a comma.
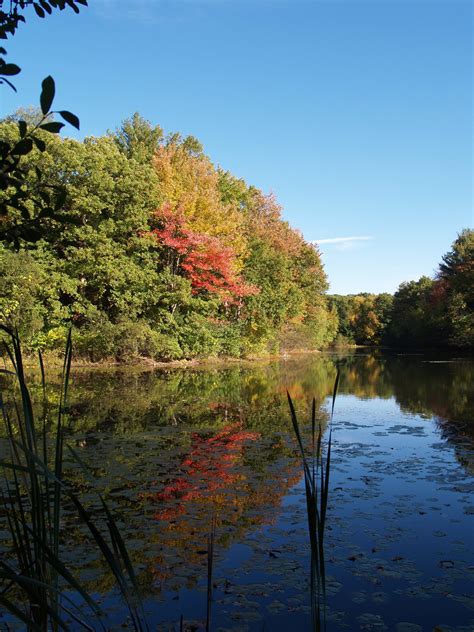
x: 455, y: 282
x: 440, y: 311
x: 21, y: 278
x: 457, y: 266
x: 138, y: 139
x: 415, y: 321
x: 363, y: 318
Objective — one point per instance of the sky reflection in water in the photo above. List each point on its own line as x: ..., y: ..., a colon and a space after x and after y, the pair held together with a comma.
x: 173, y: 448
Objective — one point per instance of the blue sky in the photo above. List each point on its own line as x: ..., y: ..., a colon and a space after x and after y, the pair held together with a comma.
x: 357, y: 115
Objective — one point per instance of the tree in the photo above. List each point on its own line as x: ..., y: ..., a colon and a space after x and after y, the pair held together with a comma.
x: 363, y: 318
x: 440, y: 311
x: 21, y: 279
x: 138, y: 139
x: 203, y: 259
x: 455, y: 286
x: 415, y: 321
x: 189, y: 183
x: 457, y: 266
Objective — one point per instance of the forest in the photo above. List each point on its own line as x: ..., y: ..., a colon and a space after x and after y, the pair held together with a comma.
x: 154, y: 252
x: 429, y: 313
x: 157, y: 253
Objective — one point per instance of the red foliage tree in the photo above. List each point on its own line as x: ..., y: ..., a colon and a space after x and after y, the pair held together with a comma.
x: 210, y: 266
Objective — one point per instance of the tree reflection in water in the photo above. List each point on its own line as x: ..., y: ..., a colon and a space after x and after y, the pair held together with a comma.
x: 209, y: 468
x: 174, y: 447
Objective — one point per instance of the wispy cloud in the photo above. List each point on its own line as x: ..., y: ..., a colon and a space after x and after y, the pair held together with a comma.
x: 172, y: 10
x: 344, y: 243
x: 159, y: 11
x: 140, y: 11
x: 340, y: 240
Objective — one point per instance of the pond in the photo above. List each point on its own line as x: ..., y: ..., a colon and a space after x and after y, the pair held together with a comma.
x: 177, y: 450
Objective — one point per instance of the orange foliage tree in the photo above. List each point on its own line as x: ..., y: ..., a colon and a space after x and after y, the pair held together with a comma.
x: 209, y: 265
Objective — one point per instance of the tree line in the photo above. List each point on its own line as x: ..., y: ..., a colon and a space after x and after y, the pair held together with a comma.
x: 430, y: 312
x: 145, y: 248
x: 153, y: 251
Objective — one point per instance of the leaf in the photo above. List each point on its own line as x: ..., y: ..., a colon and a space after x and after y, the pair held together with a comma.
x: 40, y: 144
x: 31, y: 234
x: 70, y: 118
x: 23, y: 147
x: 52, y: 127
x: 44, y: 195
x: 45, y: 212
x: 38, y: 10
x: 60, y: 200
x: 72, y: 5
x: 22, y: 127
x: 9, y: 69
x: 47, y: 94
x: 9, y: 83
x: 4, y: 149
x: 46, y: 6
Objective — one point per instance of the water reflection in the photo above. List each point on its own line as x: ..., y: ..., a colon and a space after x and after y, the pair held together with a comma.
x: 173, y: 448
x: 253, y: 395
x: 128, y: 400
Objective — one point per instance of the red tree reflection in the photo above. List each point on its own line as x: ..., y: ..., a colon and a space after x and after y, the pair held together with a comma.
x: 209, y: 468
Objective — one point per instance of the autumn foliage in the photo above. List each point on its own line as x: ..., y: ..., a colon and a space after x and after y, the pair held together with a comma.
x: 206, y: 472
x: 167, y: 256
x: 203, y: 259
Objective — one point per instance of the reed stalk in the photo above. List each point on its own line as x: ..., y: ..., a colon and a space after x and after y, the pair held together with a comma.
x: 316, y: 468
x: 210, y: 563
x: 36, y: 580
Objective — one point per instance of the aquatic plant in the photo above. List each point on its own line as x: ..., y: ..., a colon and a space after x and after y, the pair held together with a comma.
x: 210, y: 563
x: 36, y: 578
x: 316, y: 477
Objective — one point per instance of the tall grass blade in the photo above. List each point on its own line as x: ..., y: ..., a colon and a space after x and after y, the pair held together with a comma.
x: 19, y: 614
x: 313, y: 435
x: 35, y: 488
x: 117, y: 558
x: 9, y: 573
x: 316, y: 479
x: 78, y: 620
x: 210, y: 562
x: 296, y: 429
x: 334, y: 392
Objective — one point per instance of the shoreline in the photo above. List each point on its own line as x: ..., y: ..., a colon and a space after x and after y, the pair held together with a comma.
x: 143, y: 363
x: 54, y: 361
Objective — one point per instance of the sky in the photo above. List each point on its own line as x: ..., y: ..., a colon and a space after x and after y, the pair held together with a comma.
x: 356, y: 115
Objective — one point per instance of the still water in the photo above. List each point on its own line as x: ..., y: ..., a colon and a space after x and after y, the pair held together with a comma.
x: 173, y: 449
